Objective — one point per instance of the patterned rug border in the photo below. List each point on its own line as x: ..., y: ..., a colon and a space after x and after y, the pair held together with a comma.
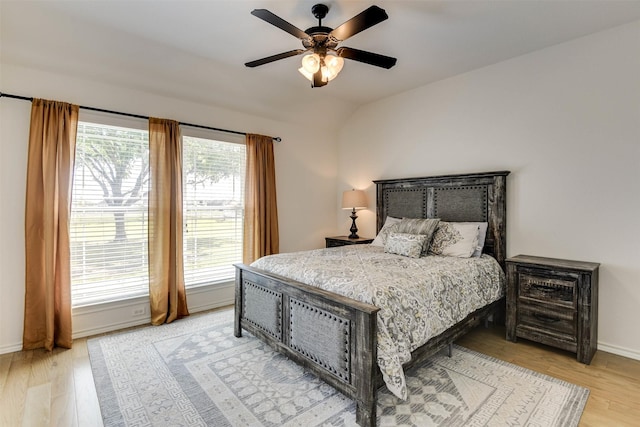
x: 145, y: 335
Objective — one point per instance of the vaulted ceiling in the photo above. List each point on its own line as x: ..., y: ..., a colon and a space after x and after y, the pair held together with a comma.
x: 196, y: 50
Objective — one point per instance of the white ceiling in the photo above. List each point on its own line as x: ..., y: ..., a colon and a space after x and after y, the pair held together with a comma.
x: 196, y: 50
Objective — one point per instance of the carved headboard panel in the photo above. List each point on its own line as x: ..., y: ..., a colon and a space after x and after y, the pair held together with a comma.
x: 466, y: 197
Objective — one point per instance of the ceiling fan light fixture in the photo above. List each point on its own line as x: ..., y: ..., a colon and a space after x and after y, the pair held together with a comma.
x: 329, y: 65
x: 311, y: 63
x: 332, y: 67
x: 320, y: 67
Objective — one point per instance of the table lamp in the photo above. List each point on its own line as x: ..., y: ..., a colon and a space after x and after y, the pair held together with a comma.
x: 354, y: 199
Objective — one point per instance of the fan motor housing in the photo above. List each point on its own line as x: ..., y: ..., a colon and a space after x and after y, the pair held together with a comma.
x: 319, y: 38
x: 320, y: 10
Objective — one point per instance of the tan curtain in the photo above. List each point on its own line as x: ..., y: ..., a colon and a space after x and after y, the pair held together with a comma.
x: 261, y: 209
x: 47, y: 305
x: 168, y: 299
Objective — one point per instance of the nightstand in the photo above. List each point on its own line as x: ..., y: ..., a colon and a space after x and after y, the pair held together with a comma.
x: 345, y: 240
x: 554, y: 302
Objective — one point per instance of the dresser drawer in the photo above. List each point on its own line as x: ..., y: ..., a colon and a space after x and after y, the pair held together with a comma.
x: 557, y: 290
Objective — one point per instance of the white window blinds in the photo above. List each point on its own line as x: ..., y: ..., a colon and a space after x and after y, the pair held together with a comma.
x: 213, y: 198
x: 109, y: 229
x: 109, y: 214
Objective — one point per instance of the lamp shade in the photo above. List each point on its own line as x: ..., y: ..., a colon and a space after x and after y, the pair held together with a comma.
x: 354, y: 199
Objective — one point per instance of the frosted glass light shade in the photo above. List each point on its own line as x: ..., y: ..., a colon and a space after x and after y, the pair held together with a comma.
x: 333, y: 66
x: 311, y: 63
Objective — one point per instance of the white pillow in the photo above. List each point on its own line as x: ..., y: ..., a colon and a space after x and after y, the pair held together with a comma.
x: 389, y: 226
x: 482, y: 235
x: 405, y: 244
x: 455, y: 239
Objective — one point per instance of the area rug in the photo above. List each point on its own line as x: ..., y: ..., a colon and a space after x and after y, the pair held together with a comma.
x: 194, y: 372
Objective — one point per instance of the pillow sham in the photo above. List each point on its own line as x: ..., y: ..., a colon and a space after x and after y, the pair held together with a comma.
x: 389, y: 225
x: 424, y: 226
x: 455, y: 239
x: 482, y: 235
x: 409, y: 245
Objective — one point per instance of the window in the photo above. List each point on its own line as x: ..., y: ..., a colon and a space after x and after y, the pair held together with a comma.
x: 108, y: 233
x: 213, y: 200
x: 108, y: 230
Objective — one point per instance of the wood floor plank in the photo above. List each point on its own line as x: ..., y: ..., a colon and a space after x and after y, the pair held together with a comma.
x: 621, y: 366
x: 38, y: 400
x: 15, y: 391
x: 63, y: 402
x: 41, y: 363
x: 87, y: 406
x: 5, y: 363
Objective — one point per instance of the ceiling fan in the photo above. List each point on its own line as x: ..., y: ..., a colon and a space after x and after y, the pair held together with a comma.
x: 325, y: 59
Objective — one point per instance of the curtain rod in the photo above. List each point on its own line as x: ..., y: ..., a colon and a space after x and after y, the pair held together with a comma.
x: 138, y: 116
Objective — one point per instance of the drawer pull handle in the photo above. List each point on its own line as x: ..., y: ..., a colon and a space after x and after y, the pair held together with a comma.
x: 545, y: 288
x: 545, y: 319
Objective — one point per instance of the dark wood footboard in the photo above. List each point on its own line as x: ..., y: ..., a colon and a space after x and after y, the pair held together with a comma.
x: 331, y: 335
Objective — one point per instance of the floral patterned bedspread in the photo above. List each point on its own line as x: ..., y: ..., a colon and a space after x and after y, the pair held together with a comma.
x: 418, y: 297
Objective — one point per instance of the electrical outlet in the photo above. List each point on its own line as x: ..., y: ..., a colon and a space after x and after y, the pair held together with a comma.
x: 139, y: 311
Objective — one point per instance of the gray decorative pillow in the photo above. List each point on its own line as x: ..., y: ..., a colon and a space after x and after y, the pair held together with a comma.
x: 455, y: 239
x: 389, y: 226
x: 424, y: 226
x: 405, y: 244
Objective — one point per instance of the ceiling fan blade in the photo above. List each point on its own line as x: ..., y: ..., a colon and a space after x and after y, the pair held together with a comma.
x: 366, y: 19
x: 272, y: 58
x: 273, y: 19
x: 317, y: 79
x: 366, y: 57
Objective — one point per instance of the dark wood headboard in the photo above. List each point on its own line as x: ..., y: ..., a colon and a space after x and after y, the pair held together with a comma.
x: 465, y: 197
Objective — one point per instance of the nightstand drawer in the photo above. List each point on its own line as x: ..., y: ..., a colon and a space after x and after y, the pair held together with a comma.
x: 544, y: 317
x: 539, y: 288
x: 331, y: 243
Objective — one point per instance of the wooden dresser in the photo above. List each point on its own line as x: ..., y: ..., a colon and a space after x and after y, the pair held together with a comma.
x: 554, y: 302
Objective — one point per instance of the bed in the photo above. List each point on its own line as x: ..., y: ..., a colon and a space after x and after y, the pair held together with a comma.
x: 284, y: 312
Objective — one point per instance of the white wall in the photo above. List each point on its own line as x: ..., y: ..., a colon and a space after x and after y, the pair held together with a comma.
x: 566, y: 122
x: 306, y: 169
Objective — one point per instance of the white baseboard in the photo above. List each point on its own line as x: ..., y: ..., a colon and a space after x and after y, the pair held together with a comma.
x: 11, y: 348
x: 620, y: 351
x: 102, y: 318
x: 109, y: 317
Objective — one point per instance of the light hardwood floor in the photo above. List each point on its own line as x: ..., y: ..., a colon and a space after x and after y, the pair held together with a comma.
x: 38, y: 388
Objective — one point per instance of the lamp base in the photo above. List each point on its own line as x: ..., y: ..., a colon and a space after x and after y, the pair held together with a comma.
x: 353, y: 229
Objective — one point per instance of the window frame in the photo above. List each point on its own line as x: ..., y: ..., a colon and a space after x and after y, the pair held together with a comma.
x: 108, y: 119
